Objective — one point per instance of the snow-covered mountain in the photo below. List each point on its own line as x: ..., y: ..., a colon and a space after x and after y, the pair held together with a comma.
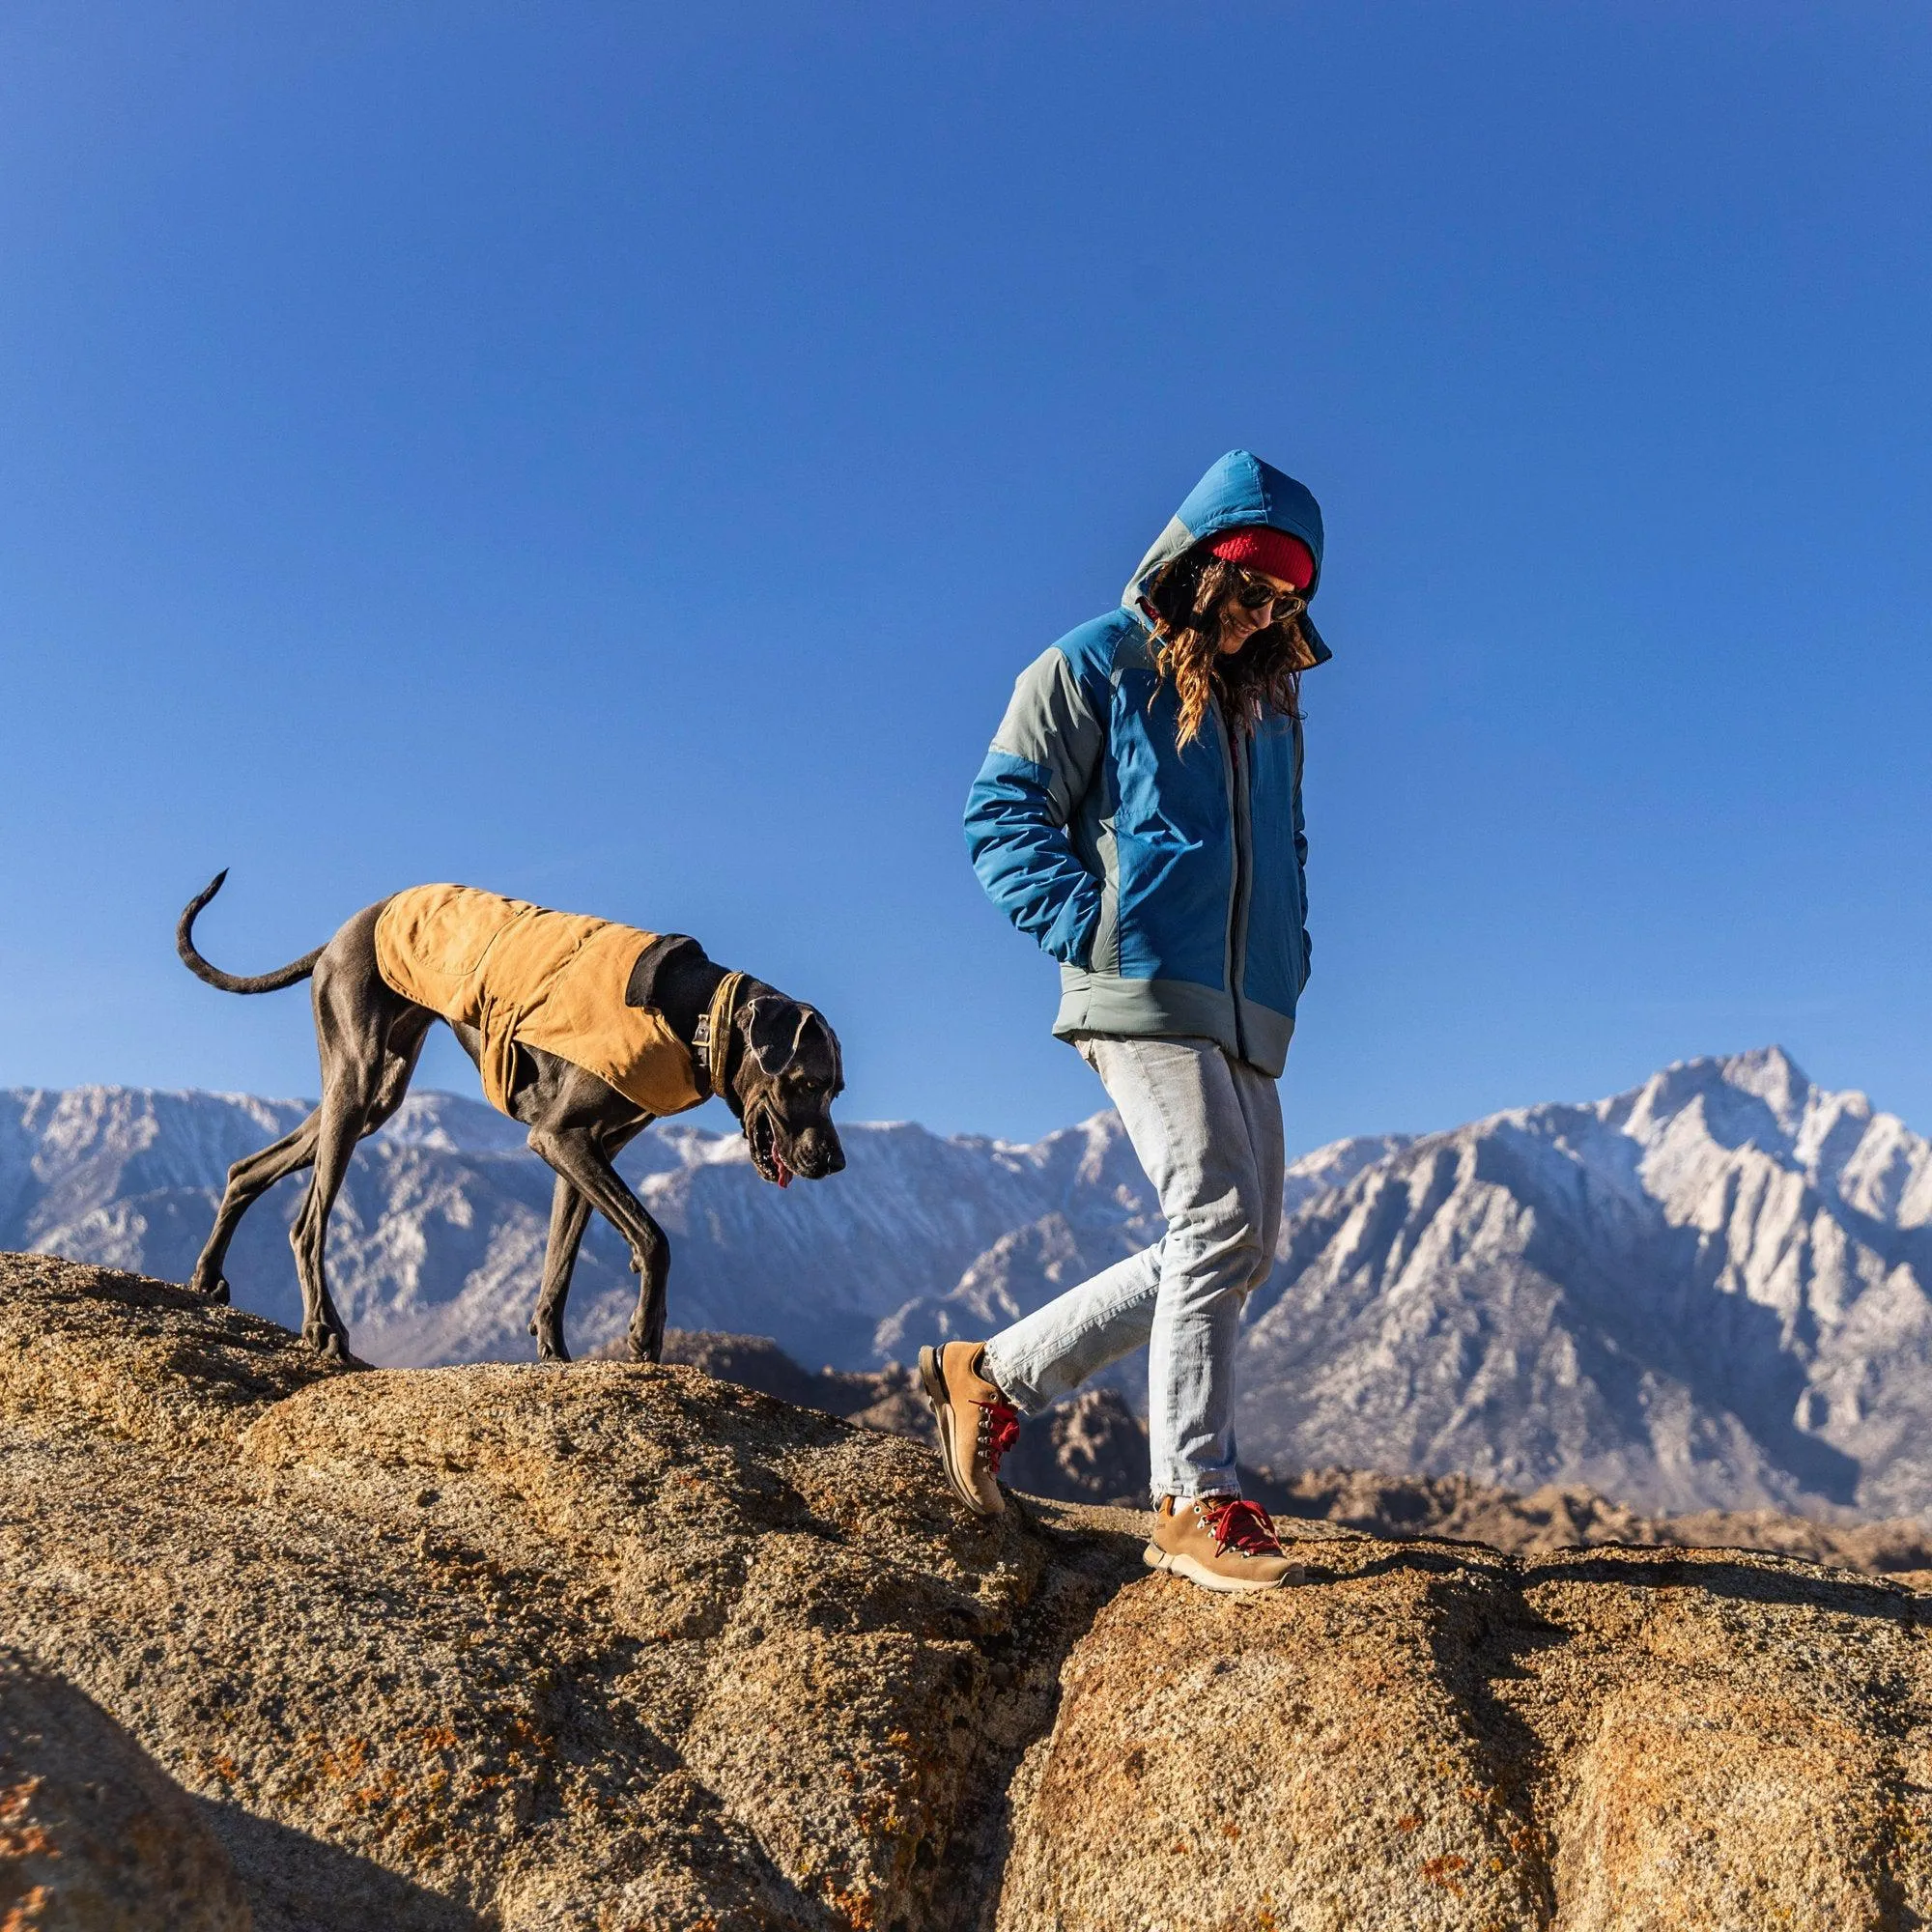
x: 1710, y: 1291
x: 436, y: 1240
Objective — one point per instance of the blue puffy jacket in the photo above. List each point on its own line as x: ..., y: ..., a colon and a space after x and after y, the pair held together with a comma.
x: 1170, y: 885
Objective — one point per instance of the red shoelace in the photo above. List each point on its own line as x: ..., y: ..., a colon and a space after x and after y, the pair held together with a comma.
x: 999, y: 1431
x: 1236, y: 1523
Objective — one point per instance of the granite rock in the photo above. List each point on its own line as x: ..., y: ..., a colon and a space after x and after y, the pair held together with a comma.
x: 604, y: 1647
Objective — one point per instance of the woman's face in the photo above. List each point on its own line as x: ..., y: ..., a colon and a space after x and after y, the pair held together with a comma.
x: 1238, y: 624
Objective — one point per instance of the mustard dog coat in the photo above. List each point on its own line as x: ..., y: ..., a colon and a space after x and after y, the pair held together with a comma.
x: 556, y: 981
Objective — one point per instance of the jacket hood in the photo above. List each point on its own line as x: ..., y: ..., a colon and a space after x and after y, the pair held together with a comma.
x: 1239, y: 490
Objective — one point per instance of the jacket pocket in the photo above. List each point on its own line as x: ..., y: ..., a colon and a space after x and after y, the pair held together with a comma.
x: 1103, y: 955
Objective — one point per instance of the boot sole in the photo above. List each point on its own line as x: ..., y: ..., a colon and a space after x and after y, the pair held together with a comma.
x: 934, y: 1385
x: 1197, y: 1572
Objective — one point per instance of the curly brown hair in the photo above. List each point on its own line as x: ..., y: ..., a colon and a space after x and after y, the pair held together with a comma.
x: 1263, y: 675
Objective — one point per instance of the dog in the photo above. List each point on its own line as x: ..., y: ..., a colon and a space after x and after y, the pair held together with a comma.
x: 639, y: 1025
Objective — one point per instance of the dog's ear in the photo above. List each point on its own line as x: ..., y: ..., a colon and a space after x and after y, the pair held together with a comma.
x: 774, y: 1027
x: 818, y: 1027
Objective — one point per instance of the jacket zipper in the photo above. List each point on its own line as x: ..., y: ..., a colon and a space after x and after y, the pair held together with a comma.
x: 1238, y: 897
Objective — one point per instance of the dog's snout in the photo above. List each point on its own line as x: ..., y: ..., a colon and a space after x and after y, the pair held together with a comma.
x: 818, y: 1154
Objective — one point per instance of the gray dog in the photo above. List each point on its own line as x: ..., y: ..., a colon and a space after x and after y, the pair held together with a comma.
x: 647, y: 1026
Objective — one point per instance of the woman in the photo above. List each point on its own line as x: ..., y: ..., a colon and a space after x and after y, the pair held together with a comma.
x: 1140, y: 815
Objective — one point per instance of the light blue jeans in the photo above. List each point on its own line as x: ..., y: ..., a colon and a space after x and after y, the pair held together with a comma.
x: 1207, y: 1129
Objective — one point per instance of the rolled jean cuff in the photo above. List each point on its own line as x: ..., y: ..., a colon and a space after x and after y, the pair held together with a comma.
x: 1197, y: 1486
x: 1021, y: 1393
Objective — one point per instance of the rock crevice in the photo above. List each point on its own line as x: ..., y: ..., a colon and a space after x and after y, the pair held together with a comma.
x: 615, y: 1647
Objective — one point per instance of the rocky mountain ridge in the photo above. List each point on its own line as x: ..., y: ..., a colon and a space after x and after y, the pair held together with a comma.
x: 1710, y: 1291
x: 506, y: 1648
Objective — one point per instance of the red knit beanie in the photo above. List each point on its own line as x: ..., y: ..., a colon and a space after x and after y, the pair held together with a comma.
x: 1268, y: 550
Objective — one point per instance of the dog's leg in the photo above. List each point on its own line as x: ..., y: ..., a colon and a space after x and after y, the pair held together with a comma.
x: 247, y: 1182
x: 648, y: 1318
x: 250, y: 1178
x: 400, y: 1051
x: 577, y: 1153
x: 359, y: 1020
x: 369, y: 1039
x: 569, y: 1216
x: 345, y: 1106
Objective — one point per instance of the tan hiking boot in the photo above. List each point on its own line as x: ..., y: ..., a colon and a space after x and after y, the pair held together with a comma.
x: 977, y: 1424
x: 1221, y: 1543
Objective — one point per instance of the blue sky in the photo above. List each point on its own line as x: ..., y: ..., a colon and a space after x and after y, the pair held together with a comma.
x: 623, y: 459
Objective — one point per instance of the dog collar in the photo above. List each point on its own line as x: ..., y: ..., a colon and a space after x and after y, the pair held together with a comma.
x: 710, y: 1039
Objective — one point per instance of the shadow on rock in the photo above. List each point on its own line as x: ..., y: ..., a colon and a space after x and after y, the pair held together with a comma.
x: 299, y: 1883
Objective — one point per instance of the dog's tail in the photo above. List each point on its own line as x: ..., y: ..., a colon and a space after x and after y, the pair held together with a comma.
x: 234, y: 982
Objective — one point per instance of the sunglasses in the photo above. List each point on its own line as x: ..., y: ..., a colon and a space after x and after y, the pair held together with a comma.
x: 1254, y: 593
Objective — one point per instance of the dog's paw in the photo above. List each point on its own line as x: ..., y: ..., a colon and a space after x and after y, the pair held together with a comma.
x: 216, y: 1291
x: 330, y: 1343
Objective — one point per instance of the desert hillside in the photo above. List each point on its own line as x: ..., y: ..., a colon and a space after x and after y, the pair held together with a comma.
x: 617, y: 1647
